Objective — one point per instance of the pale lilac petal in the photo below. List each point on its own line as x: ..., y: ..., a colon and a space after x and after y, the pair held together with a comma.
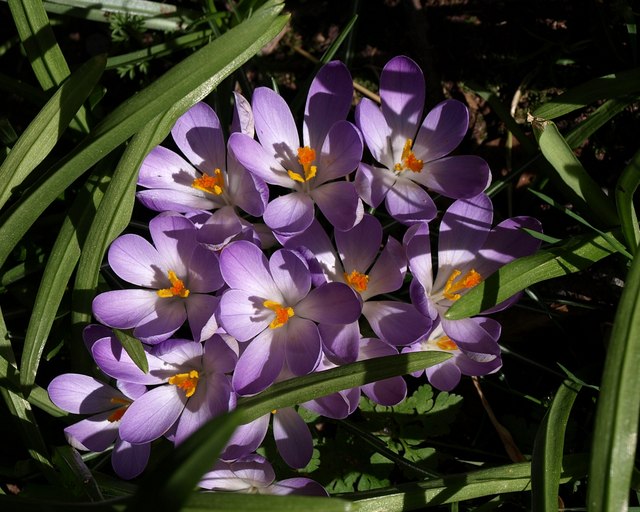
x: 222, y: 478
x: 402, y: 91
x: 96, y: 433
x: 292, y: 437
x: 204, y: 271
x: 340, y: 204
x: 242, y: 120
x: 114, y: 361
x: 162, y: 322
x: 136, y: 261
x: 375, y: 130
x: 81, y: 394
x: 387, y: 392
x: 245, y: 189
x: 131, y: 389
x: 469, y: 366
x: 478, y: 335
x: 153, y: 414
x: 359, y: 246
x: 340, y: 343
x: 259, y: 364
x: 291, y: 275
x: 444, y: 376
x: 458, y: 176
x: 407, y: 202
x: 244, y: 266
x: 246, y: 438
x: 341, y: 152
x: 243, y: 315
x: 331, y: 303
x: 124, y: 309
x: 93, y: 332
x: 220, y: 228
x: 165, y: 169
x: 254, y: 469
x: 201, y: 314
x: 199, y: 136
x: 180, y: 353
x: 373, y: 183
x: 300, y: 486
x: 336, y: 405
x: 418, y: 249
x: 290, y: 213
x: 303, y: 347
x: 251, y: 155
x: 162, y: 200
x: 129, y: 460
x: 442, y: 130
x: 218, y: 356
x: 174, y: 236
x: 328, y: 101
x: 395, y: 322
x: 387, y: 274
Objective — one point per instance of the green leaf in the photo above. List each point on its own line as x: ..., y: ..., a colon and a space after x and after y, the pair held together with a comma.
x: 570, y: 174
x: 625, y: 189
x: 133, y: 347
x: 602, y: 115
x: 616, y: 424
x: 203, y: 71
x: 45, y: 130
x: 546, y: 462
x: 75, y: 475
x: 234, y: 502
x: 576, y: 254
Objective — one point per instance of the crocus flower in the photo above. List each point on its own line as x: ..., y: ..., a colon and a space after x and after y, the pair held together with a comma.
x: 331, y: 148
x: 469, y: 251
x: 211, y: 179
x: 271, y: 305
x: 177, y: 274
x: 81, y: 394
x: 254, y: 475
x: 413, y: 155
x: 191, y: 386
x: 370, y: 272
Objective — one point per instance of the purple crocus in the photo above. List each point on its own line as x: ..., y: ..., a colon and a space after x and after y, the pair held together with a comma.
x: 331, y: 148
x: 191, y: 386
x: 271, y: 305
x: 81, y: 394
x: 370, y: 272
x: 469, y: 251
x: 413, y: 155
x: 177, y: 274
x: 211, y: 179
x: 254, y: 475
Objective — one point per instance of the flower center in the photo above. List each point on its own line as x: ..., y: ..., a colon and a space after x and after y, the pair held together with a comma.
x: 409, y: 162
x: 357, y: 280
x: 455, y: 285
x: 186, y: 381
x: 119, y: 412
x: 306, y: 156
x: 446, y: 343
x: 178, y: 289
x: 210, y: 184
x: 282, y: 314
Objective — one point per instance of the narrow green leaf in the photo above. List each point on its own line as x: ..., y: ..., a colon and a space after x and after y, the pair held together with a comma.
x: 75, y: 474
x: 133, y: 347
x: 576, y: 254
x: 625, y: 190
x: 572, y: 176
x: 602, y: 115
x: 234, y: 502
x: 203, y: 70
x: 546, y: 462
x: 605, y: 87
x: 616, y: 425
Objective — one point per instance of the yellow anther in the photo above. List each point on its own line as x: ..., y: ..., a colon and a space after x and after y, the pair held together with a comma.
x: 186, y: 381
x: 446, y: 343
x: 409, y: 162
x: 178, y: 289
x: 210, y: 184
x: 306, y: 156
x: 469, y: 280
x: 282, y: 314
x: 357, y: 280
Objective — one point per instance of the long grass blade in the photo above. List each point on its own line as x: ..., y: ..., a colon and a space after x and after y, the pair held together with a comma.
x: 625, y: 190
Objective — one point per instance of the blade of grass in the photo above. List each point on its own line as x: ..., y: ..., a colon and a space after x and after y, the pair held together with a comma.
x: 602, y: 115
x: 133, y: 347
x: 546, y: 462
x: 625, y: 190
x: 616, y: 423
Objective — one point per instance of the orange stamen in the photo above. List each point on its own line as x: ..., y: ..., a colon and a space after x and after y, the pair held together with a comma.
x: 178, y: 289
x: 186, y: 381
x: 306, y: 156
x: 282, y: 314
x: 469, y: 280
x: 446, y: 343
x: 357, y: 280
x: 119, y: 412
x: 409, y: 162
x: 210, y: 184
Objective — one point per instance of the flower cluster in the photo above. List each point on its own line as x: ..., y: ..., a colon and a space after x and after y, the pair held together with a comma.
x: 310, y: 289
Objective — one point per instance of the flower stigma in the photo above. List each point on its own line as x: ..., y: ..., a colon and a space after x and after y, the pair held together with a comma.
x: 306, y: 156
x: 119, y: 412
x: 186, y: 381
x: 357, y: 280
x: 282, y: 314
x: 210, y: 184
x: 178, y: 289
x: 467, y: 281
x: 409, y: 162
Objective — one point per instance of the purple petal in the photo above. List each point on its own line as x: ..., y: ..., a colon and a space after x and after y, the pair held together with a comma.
x: 359, y: 246
x: 131, y: 389
x: 336, y: 405
x: 259, y: 161
x: 246, y: 438
x: 373, y: 183
x: 218, y: 356
x: 114, y: 361
x: 246, y: 190
x: 469, y: 366
x: 331, y: 303
x: 129, y: 460
x: 340, y: 342
x: 93, y: 332
x: 162, y: 200
x: 220, y: 228
x: 375, y: 130
x: 95, y: 433
x: 153, y: 414
x: 290, y: 213
x: 444, y: 376
x: 124, y: 309
x: 387, y: 392
x: 180, y: 353
x: 395, y: 322
x: 328, y: 101
x: 136, y: 261
x: 242, y: 120
x: 175, y: 239
x: 81, y: 394
x: 275, y: 126
x: 162, y: 322
x: 259, y: 364
x: 243, y: 315
x: 303, y: 347
x: 201, y: 314
x: 478, y: 335
x: 418, y: 249
x: 291, y: 275
x: 408, y: 203
x: 293, y: 438
x: 204, y: 271
x: 245, y: 267
x: 387, y: 274
x: 458, y: 177
x: 300, y: 486
x: 339, y: 203
x: 199, y: 136
x: 341, y: 152
x: 442, y: 130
